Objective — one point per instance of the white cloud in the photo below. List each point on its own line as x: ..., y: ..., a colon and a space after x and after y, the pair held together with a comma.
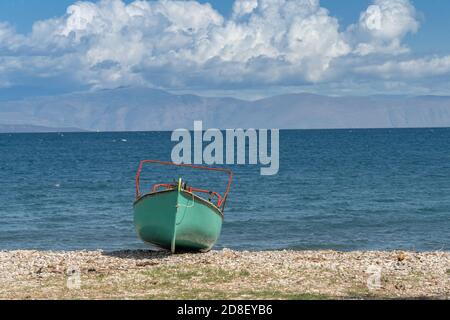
x: 383, y: 25
x: 389, y: 19
x: 185, y: 44
x: 413, y: 68
x: 9, y: 39
x: 164, y: 42
x: 244, y: 7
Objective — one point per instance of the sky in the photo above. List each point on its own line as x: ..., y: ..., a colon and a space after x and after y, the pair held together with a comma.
x: 242, y: 48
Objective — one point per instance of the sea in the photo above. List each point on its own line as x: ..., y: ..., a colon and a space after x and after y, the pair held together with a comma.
x: 380, y: 189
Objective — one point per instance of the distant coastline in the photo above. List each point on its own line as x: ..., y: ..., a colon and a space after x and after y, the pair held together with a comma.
x: 146, y: 109
x: 27, y: 128
x: 11, y: 129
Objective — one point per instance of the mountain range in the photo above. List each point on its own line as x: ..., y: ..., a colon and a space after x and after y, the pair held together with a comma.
x: 144, y: 109
x: 24, y: 128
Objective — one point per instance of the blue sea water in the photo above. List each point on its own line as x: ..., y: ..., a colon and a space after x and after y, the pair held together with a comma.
x: 336, y: 189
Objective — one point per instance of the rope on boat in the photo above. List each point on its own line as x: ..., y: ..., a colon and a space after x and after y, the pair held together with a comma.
x: 189, y: 206
x: 180, y: 181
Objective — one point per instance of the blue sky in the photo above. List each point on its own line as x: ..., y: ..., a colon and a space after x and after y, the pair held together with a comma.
x: 405, y: 51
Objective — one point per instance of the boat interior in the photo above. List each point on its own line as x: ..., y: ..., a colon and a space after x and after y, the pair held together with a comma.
x: 212, y: 196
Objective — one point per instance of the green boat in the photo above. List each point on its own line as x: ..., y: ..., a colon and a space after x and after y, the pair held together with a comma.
x: 175, y: 217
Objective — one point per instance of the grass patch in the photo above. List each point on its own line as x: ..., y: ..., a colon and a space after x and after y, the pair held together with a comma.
x: 204, y: 275
x: 244, y: 273
x: 195, y: 282
x: 278, y: 295
x: 360, y: 292
x: 448, y: 272
x: 206, y: 294
x: 190, y: 294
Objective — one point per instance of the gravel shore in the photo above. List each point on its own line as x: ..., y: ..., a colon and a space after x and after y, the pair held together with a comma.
x: 224, y: 274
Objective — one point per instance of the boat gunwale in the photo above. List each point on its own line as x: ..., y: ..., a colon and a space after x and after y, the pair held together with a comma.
x: 206, y: 202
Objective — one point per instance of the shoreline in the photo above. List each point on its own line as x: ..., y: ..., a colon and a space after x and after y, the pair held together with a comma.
x: 224, y: 274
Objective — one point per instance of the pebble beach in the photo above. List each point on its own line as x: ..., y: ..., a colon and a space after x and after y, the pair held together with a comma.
x: 224, y: 274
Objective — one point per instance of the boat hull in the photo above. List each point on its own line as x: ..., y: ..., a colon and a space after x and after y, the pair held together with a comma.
x: 177, y: 221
